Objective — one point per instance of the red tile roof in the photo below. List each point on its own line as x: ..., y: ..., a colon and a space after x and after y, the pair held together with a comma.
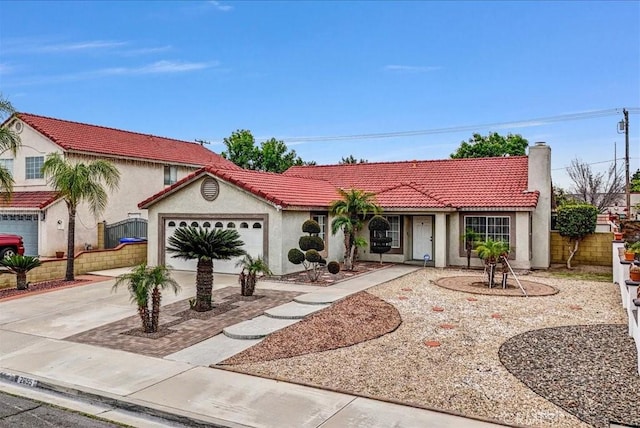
x: 446, y: 184
x: 84, y: 138
x: 459, y: 183
x: 32, y: 200
x: 276, y: 188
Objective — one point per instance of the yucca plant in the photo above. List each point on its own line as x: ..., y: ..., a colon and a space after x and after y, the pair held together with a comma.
x: 249, y: 274
x: 205, y: 246
x: 470, y: 238
x: 492, y: 252
x: 20, y: 265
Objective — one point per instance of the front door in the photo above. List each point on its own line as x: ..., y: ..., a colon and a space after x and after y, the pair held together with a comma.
x: 422, y: 237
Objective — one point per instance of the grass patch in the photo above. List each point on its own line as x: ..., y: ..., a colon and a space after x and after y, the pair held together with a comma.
x: 585, y: 276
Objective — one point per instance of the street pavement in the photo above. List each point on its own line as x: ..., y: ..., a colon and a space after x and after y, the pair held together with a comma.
x: 181, y: 387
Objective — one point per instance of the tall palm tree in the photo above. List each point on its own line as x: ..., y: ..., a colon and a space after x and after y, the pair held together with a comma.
x: 76, y: 183
x: 9, y: 141
x: 20, y: 265
x: 143, y: 281
x: 350, y: 212
x: 205, y: 246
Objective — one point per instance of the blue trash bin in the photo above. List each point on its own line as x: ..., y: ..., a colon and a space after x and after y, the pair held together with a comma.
x: 131, y: 240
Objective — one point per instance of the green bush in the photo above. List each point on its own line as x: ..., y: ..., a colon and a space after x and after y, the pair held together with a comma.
x: 312, y: 256
x: 295, y: 256
x: 311, y: 226
x: 310, y: 242
x: 577, y: 221
x: 333, y: 267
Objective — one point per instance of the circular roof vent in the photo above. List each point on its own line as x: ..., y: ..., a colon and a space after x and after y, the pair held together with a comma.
x: 18, y: 126
x: 209, y: 189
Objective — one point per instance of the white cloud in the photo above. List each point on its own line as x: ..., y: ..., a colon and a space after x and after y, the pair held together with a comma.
x: 219, y: 6
x: 410, y: 68
x: 159, y: 67
x: 30, y: 46
x: 146, y: 51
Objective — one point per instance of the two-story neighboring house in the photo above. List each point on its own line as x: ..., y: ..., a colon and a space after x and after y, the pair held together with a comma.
x: 147, y: 165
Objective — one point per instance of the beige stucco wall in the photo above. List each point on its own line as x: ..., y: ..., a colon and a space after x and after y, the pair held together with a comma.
x: 231, y: 201
x: 138, y: 181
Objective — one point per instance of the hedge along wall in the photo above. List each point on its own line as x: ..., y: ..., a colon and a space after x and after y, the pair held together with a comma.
x: 123, y: 255
x: 595, y: 249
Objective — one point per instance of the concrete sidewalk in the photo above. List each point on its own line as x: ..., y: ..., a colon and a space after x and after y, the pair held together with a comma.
x: 180, y: 386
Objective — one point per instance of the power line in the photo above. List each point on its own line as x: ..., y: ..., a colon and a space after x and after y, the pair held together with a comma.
x: 592, y: 163
x: 526, y: 122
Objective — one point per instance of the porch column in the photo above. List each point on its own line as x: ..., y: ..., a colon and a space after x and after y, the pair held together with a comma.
x: 440, y: 240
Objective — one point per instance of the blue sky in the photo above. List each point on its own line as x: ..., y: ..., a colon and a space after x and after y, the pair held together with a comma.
x: 200, y: 70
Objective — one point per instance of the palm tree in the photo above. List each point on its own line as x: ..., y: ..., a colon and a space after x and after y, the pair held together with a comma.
x: 492, y: 252
x: 205, y: 245
x: 249, y: 274
x: 20, y: 265
x: 9, y: 141
x: 350, y: 212
x: 143, y: 281
x: 76, y: 183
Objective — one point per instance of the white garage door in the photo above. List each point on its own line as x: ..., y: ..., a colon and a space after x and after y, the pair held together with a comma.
x: 25, y: 225
x: 251, y: 233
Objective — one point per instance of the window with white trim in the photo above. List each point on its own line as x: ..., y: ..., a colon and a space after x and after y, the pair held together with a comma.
x: 496, y: 228
x: 321, y: 219
x: 394, y: 232
x: 170, y: 175
x: 33, y: 167
x: 7, y: 164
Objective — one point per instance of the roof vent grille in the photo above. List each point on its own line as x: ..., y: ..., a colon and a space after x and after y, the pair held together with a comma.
x: 209, y: 189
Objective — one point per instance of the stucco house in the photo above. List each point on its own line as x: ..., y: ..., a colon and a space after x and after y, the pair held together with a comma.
x: 429, y: 205
x: 147, y: 165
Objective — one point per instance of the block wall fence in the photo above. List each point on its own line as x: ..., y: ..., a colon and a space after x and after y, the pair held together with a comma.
x: 594, y: 250
x: 123, y: 255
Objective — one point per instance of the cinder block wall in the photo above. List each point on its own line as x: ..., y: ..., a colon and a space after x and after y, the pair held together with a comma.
x: 86, y: 261
x: 594, y: 250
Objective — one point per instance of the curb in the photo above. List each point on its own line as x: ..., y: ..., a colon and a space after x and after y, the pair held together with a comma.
x: 118, y: 403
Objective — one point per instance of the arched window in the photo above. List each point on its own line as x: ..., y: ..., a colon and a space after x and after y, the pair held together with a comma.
x: 194, y: 223
x: 206, y: 224
x: 231, y: 225
x: 244, y: 225
x: 183, y: 224
x: 218, y: 225
x: 257, y: 226
x: 172, y: 224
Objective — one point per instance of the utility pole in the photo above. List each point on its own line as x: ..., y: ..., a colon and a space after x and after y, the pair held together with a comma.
x: 624, y: 126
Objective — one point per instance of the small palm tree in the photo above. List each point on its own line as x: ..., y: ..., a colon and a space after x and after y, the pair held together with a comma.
x: 76, y: 183
x: 492, y: 252
x: 350, y: 212
x: 205, y: 246
x: 9, y: 141
x: 20, y: 265
x: 142, y: 282
x: 249, y: 274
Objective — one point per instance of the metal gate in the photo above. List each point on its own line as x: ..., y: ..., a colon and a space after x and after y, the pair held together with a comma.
x: 129, y: 228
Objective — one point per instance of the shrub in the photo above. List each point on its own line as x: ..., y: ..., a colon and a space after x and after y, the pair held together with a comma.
x: 311, y: 226
x: 295, y: 256
x: 574, y: 223
x: 312, y: 256
x: 333, y: 267
x: 311, y: 243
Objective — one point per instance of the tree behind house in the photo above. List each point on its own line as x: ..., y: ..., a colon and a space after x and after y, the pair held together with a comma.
x: 78, y: 182
x: 600, y: 189
x: 492, y: 145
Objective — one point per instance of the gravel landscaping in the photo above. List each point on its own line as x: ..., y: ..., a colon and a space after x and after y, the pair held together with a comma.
x: 446, y: 354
